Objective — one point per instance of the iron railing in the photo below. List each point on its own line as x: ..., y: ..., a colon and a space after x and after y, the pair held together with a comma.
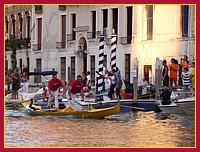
x: 60, y: 45
x: 126, y: 40
x: 36, y: 47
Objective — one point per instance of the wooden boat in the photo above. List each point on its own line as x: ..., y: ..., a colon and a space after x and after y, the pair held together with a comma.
x: 93, y: 113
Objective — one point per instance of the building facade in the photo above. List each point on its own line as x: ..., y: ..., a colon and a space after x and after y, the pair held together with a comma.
x: 65, y: 38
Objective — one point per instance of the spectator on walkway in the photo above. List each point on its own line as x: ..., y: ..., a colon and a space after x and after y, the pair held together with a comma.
x: 165, y: 74
x: 15, y: 84
x: 118, y: 83
x: 88, y: 79
x: 192, y: 76
x: 186, y: 79
x: 107, y: 81
x: 84, y: 81
x: 112, y: 88
x: 185, y: 63
x: 25, y: 82
x: 173, y: 73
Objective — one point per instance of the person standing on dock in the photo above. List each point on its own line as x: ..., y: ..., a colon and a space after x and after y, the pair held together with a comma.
x: 165, y: 74
x: 88, y: 79
x: 186, y: 79
x: 75, y: 87
x: 53, y: 88
x: 15, y: 84
x: 118, y: 83
x: 25, y: 82
x: 173, y: 72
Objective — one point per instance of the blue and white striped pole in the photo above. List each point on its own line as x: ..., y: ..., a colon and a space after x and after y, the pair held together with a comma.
x: 101, y: 56
x: 113, y: 50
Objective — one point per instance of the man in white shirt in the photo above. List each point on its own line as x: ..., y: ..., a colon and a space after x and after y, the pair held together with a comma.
x: 88, y: 79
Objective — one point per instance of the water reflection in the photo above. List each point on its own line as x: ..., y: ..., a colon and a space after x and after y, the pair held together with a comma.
x: 135, y: 129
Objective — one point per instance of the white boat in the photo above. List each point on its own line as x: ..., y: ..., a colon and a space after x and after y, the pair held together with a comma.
x: 25, y: 95
x: 170, y: 108
x: 181, y: 102
x: 125, y: 104
x: 187, y: 104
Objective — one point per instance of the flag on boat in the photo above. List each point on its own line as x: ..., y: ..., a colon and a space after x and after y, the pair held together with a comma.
x: 113, y: 50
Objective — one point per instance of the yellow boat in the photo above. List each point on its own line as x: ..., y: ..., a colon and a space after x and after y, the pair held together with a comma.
x: 93, y: 113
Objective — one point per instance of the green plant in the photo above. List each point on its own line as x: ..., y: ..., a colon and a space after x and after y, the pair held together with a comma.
x: 14, y: 44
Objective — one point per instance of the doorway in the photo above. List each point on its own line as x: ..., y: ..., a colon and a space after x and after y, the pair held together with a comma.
x: 83, y: 58
x: 148, y: 73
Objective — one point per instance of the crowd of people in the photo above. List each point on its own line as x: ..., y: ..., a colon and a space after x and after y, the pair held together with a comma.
x: 170, y: 74
x: 113, y: 82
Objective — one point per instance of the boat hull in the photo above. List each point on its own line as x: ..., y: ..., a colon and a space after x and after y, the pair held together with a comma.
x: 93, y: 113
x: 125, y: 105
x: 188, y: 105
x: 171, y: 109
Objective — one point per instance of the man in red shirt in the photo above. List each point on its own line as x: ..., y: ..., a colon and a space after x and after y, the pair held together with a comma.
x: 75, y: 87
x: 53, y: 87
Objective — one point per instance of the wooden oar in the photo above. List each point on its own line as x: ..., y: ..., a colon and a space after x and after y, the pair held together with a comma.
x: 12, y: 104
x: 137, y: 108
x: 111, y: 104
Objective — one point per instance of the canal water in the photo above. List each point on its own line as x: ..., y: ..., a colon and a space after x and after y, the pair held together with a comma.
x: 127, y: 129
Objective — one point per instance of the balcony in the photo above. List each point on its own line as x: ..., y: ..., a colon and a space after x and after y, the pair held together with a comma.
x: 71, y: 37
x: 93, y: 35
x: 36, y: 47
x: 126, y: 40
x: 60, y: 45
x: 38, y: 9
x: 17, y: 43
x: 62, y: 7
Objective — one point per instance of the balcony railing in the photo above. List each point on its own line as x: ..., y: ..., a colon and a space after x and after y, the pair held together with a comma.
x: 18, y: 43
x: 94, y: 34
x: 36, y: 47
x: 126, y: 40
x: 60, y: 45
x: 108, y: 41
x: 71, y: 37
x: 62, y: 7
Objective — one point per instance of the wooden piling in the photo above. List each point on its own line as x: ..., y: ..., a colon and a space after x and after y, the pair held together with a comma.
x: 158, y: 76
x: 135, y: 79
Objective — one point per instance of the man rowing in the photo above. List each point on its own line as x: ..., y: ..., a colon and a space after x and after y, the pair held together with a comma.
x: 53, y: 88
x: 75, y: 87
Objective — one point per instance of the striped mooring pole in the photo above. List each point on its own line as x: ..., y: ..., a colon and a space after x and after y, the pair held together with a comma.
x: 101, y: 57
x: 113, y: 50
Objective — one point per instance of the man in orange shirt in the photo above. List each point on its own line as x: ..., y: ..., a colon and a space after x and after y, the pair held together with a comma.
x: 173, y: 72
